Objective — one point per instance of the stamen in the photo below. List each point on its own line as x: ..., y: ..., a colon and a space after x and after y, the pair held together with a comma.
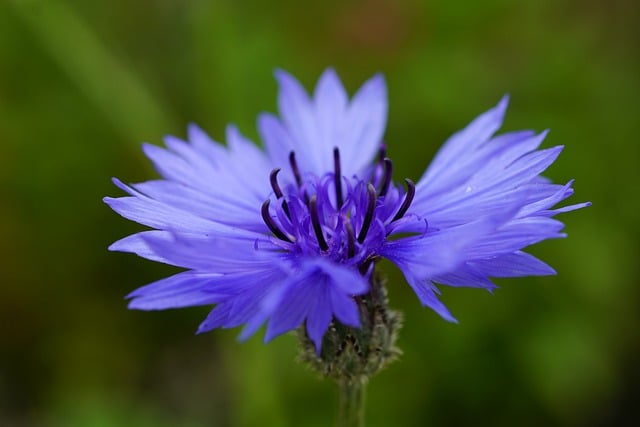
x: 315, y: 221
x: 368, y: 216
x: 266, y: 217
x: 351, y: 238
x: 337, y: 177
x: 273, y: 178
x: 294, y: 168
x: 386, y: 176
x: 296, y: 173
x: 408, y: 198
x: 382, y: 153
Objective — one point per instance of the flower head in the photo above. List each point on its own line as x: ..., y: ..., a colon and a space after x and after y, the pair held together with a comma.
x: 290, y: 235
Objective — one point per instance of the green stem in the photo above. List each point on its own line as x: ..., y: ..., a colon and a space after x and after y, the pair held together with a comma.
x: 351, y: 403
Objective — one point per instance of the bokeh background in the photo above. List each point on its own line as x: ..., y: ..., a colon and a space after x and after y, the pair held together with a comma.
x: 82, y: 84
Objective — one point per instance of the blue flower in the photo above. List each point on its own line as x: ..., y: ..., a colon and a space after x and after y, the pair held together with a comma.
x: 290, y: 235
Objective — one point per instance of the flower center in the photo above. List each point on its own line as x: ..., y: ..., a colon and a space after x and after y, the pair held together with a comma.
x: 345, y: 218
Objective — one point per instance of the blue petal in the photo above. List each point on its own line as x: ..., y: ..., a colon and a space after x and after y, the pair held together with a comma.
x: 524, y: 169
x: 345, y: 279
x: 499, y: 151
x: 313, y: 292
x: 136, y: 244
x: 313, y: 127
x: 278, y: 144
x: 319, y: 317
x: 223, y: 209
x: 203, y: 181
x: 181, y: 290
x: 440, y: 252
x: 474, y: 206
x: 565, y: 209
x: 426, y: 293
x: 146, y: 210
x: 193, y: 159
x: 331, y: 103
x: 216, y: 252
x: 244, y: 295
x: 345, y: 309
x: 330, y: 108
x: 517, y: 264
x: 298, y: 116
x: 467, y: 140
x: 484, y: 191
x: 467, y: 276
x: 514, y: 236
x: 541, y: 205
x: 216, y: 317
x: 158, y: 215
x: 170, y: 165
x: 207, y: 147
x: 296, y: 303
x: 364, y: 126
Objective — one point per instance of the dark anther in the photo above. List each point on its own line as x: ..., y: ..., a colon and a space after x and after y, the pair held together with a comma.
x: 382, y: 153
x: 273, y: 178
x: 296, y: 174
x: 266, y: 217
x: 315, y: 221
x: 337, y: 177
x: 386, y: 176
x: 294, y: 168
x: 351, y: 238
x: 408, y: 198
x: 368, y: 216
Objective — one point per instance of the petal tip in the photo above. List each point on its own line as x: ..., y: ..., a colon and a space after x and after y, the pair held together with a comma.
x: 500, y: 110
x: 121, y: 185
x: 446, y: 315
x: 193, y: 127
x: 329, y: 72
x: 282, y: 76
x: 137, y: 304
x: 504, y: 101
x: 203, y: 328
x: 378, y: 83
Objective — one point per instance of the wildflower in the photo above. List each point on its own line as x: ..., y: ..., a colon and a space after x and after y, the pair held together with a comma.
x: 290, y: 235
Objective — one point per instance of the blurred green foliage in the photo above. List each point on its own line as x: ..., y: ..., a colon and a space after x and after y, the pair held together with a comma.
x: 83, y: 83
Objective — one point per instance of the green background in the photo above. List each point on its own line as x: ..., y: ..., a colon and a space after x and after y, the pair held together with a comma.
x: 82, y: 84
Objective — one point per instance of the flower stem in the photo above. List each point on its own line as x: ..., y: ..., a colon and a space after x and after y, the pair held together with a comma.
x: 351, y: 403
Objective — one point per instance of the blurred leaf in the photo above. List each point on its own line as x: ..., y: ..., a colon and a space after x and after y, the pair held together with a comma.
x: 113, y: 87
